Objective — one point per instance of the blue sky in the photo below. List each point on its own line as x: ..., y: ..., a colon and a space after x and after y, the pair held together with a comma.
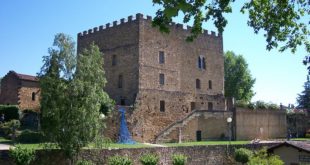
x: 28, y: 29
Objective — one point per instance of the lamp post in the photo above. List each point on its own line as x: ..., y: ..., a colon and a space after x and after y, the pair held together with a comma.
x: 229, y: 120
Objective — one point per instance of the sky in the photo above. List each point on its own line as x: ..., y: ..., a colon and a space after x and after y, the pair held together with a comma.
x: 28, y: 29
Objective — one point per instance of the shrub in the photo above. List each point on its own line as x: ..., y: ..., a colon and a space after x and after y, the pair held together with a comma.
x: 119, y: 160
x: 9, y: 128
x: 251, y: 106
x: 242, y: 104
x: 261, y: 105
x: 261, y: 157
x: 307, y: 135
x: 243, y: 155
x: 178, y: 159
x: 22, y: 156
x: 149, y: 159
x: 85, y: 162
x: 10, y: 112
x: 272, y: 106
x: 28, y: 136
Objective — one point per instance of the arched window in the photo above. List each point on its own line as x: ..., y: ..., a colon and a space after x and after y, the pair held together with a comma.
x: 33, y: 96
x: 197, y: 84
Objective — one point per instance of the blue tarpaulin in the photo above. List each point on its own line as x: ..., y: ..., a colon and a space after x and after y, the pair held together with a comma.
x: 124, y: 134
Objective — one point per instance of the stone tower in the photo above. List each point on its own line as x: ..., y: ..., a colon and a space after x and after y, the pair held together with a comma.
x: 164, y: 77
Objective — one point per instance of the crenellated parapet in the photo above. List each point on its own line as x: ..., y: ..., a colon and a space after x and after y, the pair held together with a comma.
x: 138, y: 17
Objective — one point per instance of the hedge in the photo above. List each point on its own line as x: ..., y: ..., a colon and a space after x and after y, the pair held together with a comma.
x: 10, y: 112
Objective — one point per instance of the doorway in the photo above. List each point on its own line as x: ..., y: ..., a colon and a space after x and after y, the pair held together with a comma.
x: 198, y: 136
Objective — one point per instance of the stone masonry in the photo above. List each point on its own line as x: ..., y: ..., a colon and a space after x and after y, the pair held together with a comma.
x: 161, y: 75
x: 20, y: 89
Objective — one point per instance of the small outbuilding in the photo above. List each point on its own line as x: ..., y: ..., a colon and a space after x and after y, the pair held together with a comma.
x: 292, y: 152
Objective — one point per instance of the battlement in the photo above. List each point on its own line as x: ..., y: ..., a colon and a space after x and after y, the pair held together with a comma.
x: 140, y: 16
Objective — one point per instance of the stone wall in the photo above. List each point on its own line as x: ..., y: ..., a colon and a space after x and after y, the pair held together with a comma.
x: 260, y: 124
x: 197, y: 155
x: 121, y: 41
x: 25, y: 98
x: 9, y: 89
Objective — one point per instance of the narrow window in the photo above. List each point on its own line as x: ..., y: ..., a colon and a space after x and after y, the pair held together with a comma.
x: 161, y: 57
x: 114, y: 60
x: 203, y: 63
x: 193, y: 106
x: 33, y: 96
x: 120, y: 81
x: 199, y: 62
x: 210, y: 106
x: 162, y: 106
x: 210, y: 84
x: 161, y: 79
x: 197, y: 84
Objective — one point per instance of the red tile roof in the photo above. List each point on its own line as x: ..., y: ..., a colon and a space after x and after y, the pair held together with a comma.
x: 25, y: 77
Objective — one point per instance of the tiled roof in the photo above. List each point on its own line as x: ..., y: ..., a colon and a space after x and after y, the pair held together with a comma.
x: 25, y: 77
x: 300, y: 145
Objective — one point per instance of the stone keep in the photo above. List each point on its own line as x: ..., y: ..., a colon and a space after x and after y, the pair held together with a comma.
x: 162, y: 76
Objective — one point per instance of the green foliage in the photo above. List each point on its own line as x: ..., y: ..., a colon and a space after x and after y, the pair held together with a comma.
x: 261, y: 105
x: 149, y: 159
x: 307, y: 135
x: 262, y: 158
x: 119, y: 160
x: 28, y: 136
x: 102, y: 142
x: 85, y: 162
x: 22, y: 156
x: 179, y: 159
x: 243, y: 155
x: 281, y: 21
x: 238, y: 79
x: 10, y: 112
x: 303, y: 98
x: 71, y: 95
x: 10, y: 128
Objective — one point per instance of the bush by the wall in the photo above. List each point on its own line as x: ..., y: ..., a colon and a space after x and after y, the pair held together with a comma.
x: 28, y: 136
x: 243, y: 155
x: 179, y: 159
x: 9, y: 128
x: 307, y: 135
x: 119, y: 160
x: 10, y: 112
x: 22, y: 156
x: 85, y: 162
x: 149, y: 159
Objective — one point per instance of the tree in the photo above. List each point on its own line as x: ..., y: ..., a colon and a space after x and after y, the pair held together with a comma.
x: 238, y: 80
x: 281, y: 21
x: 71, y: 95
x: 303, y: 99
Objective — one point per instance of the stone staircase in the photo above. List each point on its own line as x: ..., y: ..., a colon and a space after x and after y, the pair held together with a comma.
x: 162, y: 136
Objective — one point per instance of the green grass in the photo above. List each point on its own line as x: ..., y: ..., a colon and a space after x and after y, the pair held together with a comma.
x: 300, y: 139
x: 137, y: 145
x: 203, y: 143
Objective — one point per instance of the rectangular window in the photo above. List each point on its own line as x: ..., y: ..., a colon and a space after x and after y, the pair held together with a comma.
x: 162, y: 106
x: 161, y: 79
x: 114, y: 60
x: 197, y: 84
x: 210, y: 84
x: 161, y: 57
x: 210, y: 106
x: 120, y: 81
x: 123, y: 101
x: 193, y: 106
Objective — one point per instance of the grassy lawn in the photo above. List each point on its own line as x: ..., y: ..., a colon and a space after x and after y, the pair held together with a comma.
x: 138, y: 145
x: 205, y: 143
x: 300, y: 139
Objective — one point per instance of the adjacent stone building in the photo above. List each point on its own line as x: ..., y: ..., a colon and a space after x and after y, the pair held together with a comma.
x: 20, y: 89
x: 164, y: 77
